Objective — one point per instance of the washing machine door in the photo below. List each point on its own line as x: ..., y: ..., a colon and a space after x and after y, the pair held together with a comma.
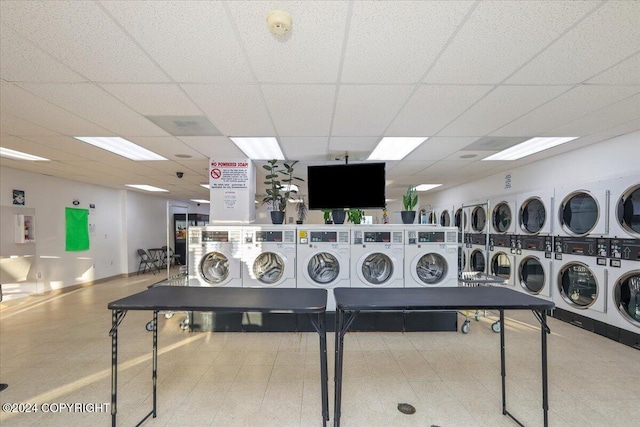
x: 269, y: 268
x: 477, y: 261
x: 501, y: 218
x: 214, y: 268
x: 429, y: 269
x: 531, y: 275
x: 478, y: 219
x: 578, y: 285
x: 533, y: 215
x: 579, y: 213
x: 323, y: 268
x: 628, y: 211
x: 626, y: 295
x: 445, y: 219
x: 376, y: 269
x: 501, y: 266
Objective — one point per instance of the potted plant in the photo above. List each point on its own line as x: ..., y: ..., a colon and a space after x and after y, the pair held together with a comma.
x: 409, y: 202
x: 355, y: 215
x: 279, y: 182
x: 301, y: 211
x: 326, y: 214
x: 338, y: 216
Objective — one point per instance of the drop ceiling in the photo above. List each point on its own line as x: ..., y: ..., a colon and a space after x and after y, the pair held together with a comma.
x: 474, y: 76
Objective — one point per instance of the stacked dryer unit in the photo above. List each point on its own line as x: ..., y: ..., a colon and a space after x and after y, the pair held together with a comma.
x: 324, y: 258
x: 476, y: 241
x: 534, y: 265
x: 502, y: 259
x: 269, y: 256
x: 377, y: 256
x: 583, y: 210
x: 430, y: 256
x: 215, y: 256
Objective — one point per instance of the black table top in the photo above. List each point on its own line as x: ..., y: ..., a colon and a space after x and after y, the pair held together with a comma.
x: 443, y: 298
x: 196, y: 298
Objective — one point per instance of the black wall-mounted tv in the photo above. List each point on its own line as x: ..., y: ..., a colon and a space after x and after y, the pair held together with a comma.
x: 358, y: 185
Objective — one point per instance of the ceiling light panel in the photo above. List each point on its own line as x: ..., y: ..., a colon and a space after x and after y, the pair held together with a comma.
x: 395, y: 148
x: 529, y: 147
x: 147, y: 188
x: 121, y: 147
x: 427, y: 187
x: 259, y: 148
x: 19, y: 155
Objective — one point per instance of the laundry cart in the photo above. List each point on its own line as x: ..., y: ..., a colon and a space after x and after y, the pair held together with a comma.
x: 180, y: 279
x: 476, y: 278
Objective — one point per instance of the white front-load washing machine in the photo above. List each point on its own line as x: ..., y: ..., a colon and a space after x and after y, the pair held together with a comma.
x: 269, y: 256
x: 502, y: 257
x: 215, y: 256
x: 582, y: 210
x: 430, y: 256
x: 324, y: 258
x: 535, y: 212
x: 624, y: 276
x: 377, y: 256
x: 580, y: 268
x: 624, y: 220
x: 534, y: 264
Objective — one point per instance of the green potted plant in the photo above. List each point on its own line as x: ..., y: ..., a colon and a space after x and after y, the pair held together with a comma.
x: 279, y: 179
x: 326, y: 214
x: 409, y: 202
x: 301, y: 211
x: 355, y: 215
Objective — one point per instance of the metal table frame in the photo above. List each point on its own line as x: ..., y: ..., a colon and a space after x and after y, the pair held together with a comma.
x: 351, y: 301
x: 303, y: 301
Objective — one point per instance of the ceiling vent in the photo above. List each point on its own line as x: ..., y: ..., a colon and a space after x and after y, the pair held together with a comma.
x: 185, y: 125
x: 494, y: 143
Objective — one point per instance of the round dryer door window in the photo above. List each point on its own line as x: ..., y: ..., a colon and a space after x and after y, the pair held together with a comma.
x: 477, y: 261
x: 268, y: 268
x: 460, y: 219
x: 323, y: 268
x: 478, y: 219
x: 214, y: 268
x: 533, y: 215
x: 502, y: 217
x: 377, y: 268
x: 431, y: 268
x: 445, y: 219
x: 628, y: 211
x: 578, y: 285
x: 579, y: 213
x: 501, y: 265
x: 531, y: 275
x: 627, y: 296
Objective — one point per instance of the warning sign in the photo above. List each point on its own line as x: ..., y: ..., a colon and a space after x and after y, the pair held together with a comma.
x: 228, y: 175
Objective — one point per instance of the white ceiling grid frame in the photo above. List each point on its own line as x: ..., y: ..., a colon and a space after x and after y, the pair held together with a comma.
x: 14, y: 125
x: 431, y: 107
x: 192, y: 41
x: 569, y: 106
x: 353, y: 143
x: 166, y: 146
x: 42, y: 67
x: 47, y: 151
x: 163, y: 99
x: 91, y: 101
x: 303, y: 148
x: 439, y: 147
x: 518, y: 30
x: 300, y: 110
x: 71, y: 145
x: 590, y: 46
x: 626, y: 72
x: 77, y: 33
x: 21, y: 102
x: 297, y: 57
x: 500, y: 107
x: 380, y: 51
x: 367, y: 110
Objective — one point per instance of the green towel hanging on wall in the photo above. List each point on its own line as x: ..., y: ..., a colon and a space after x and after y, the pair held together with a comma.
x: 77, y: 225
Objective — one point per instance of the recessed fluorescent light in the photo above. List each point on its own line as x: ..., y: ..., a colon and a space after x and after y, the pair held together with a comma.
x: 427, y: 187
x: 395, y: 148
x: 121, y: 147
x: 146, y: 187
x: 528, y: 147
x: 259, y: 148
x: 205, y: 186
x: 19, y: 155
x: 200, y: 201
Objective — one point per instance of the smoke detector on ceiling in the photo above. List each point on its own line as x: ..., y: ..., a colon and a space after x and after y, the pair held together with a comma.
x: 279, y: 22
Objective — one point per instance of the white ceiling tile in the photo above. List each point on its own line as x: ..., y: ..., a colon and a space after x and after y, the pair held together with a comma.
x: 396, y: 42
x: 13, y: 125
x: 154, y: 99
x: 625, y: 73
x: 353, y: 143
x: 569, y: 106
x: 24, y: 62
x: 589, y: 48
x: 432, y: 107
x: 74, y: 146
x: 167, y: 146
x: 219, y: 147
x: 304, y: 148
x: 367, y: 110
x: 500, y: 36
x: 88, y: 100
x: 437, y: 148
x: 193, y: 41
x: 300, y: 110
x: 79, y: 34
x: 241, y: 113
x: 500, y: 107
x: 410, y: 168
x: 310, y: 53
x: 47, y: 151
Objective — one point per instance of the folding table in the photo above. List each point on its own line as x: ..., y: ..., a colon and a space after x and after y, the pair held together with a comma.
x: 304, y: 301
x: 351, y: 301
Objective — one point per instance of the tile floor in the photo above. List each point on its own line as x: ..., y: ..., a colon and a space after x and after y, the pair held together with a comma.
x: 56, y: 349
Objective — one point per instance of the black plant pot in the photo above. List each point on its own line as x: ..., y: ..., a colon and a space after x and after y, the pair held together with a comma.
x: 277, y: 217
x: 408, y: 217
x: 338, y: 216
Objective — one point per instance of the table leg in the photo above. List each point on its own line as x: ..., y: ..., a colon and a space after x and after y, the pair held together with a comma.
x: 343, y: 322
x: 545, y: 392
x: 114, y: 366
x: 155, y: 361
x: 503, y: 368
x: 320, y: 325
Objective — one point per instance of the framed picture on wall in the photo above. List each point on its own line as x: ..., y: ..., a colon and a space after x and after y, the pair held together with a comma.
x: 18, y: 197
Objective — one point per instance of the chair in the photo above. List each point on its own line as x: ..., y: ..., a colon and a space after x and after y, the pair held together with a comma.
x: 174, y: 258
x: 146, y: 262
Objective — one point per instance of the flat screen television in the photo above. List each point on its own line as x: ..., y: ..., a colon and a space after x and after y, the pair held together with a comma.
x: 358, y: 186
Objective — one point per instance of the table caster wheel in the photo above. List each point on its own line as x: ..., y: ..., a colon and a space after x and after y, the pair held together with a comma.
x: 168, y: 315
x: 465, y: 327
x: 149, y: 326
x: 495, y: 327
x: 184, y: 325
